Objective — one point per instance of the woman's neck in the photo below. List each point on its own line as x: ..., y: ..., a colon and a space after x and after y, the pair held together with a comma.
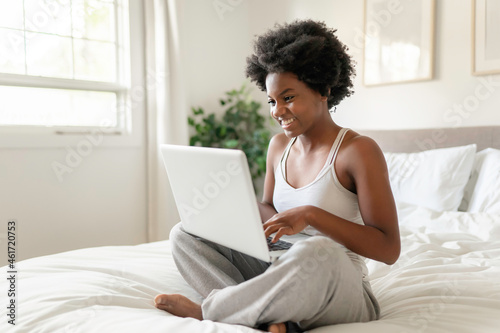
x: 321, y: 135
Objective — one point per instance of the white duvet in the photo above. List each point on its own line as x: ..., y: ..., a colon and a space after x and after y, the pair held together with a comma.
x: 446, y: 280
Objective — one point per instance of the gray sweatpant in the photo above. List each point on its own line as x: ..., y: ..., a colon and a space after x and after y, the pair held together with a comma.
x: 314, y: 284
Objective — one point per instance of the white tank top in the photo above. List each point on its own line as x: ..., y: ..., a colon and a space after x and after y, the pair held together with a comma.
x: 325, y: 192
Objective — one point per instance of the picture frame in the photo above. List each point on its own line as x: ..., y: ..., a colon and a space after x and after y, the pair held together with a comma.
x: 398, y: 41
x: 485, y: 41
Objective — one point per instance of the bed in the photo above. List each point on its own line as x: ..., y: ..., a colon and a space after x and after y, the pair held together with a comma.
x: 447, y: 278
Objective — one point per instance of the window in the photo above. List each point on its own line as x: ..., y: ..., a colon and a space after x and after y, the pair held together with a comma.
x: 64, y: 65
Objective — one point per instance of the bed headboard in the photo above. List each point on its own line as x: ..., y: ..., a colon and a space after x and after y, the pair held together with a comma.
x: 415, y: 140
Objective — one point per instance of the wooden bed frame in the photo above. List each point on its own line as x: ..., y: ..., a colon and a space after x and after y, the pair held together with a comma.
x: 415, y: 140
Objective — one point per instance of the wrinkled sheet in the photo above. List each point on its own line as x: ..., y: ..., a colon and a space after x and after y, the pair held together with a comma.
x: 446, y: 280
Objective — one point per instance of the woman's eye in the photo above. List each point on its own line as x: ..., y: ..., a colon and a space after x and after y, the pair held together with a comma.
x: 288, y: 98
x: 271, y: 102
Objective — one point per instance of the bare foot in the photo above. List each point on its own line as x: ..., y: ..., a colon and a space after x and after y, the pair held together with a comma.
x: 178, y: 305
x: 277, y: 328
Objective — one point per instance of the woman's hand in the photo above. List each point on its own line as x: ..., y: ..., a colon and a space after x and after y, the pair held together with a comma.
x: 289, y: 222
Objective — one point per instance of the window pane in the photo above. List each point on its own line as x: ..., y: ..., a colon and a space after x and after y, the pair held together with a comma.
x: 93, y: 19
x: 49, y: 55
x: 95, y: 60
x: 11, y: 14
x: 54, y: 107
x: 69, y: 39
x: 11, y: 51
x: 49, y: 16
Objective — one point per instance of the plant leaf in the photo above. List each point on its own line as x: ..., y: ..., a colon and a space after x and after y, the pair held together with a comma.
x: 240, y: 126
x: 231, y: 144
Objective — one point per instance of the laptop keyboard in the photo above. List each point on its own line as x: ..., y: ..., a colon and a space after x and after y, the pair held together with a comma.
x: 279, y: 245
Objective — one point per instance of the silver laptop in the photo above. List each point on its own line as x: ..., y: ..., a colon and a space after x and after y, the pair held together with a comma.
x: 215, y: 198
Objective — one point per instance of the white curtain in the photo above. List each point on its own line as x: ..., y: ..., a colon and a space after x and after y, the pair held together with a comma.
x: 166, y: 112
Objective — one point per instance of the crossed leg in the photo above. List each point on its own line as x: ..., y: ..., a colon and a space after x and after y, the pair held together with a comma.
x: 182, y: 306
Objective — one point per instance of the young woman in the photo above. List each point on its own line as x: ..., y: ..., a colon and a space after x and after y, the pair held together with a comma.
x: 323, y: 180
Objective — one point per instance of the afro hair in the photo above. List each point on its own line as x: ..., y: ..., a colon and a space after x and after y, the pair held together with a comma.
x: 310, y: 50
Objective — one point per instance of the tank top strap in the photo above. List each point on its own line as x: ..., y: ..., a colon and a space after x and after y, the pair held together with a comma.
x: 336, y: 146
x: 284, y: 157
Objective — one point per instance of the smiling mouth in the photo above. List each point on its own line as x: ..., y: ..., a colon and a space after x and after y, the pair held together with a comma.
x: 286, y: 122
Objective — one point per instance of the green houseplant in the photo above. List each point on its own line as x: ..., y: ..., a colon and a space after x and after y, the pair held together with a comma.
x: 241, y: 127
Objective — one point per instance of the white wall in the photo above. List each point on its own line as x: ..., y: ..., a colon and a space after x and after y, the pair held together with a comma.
x: 215, y: 51
x: 428, y: 104
x: 102, y: 202
x: 214, y: 43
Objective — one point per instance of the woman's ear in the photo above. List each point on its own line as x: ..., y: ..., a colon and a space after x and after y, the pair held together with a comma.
x: 325, y: 97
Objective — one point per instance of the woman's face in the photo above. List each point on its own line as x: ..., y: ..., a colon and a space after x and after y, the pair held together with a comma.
x: 295, y: 106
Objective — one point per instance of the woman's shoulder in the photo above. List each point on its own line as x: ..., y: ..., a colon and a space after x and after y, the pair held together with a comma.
x: 360, y: 142
x: 277, y: 146
x: 279, y: 140
x: 360, y: 148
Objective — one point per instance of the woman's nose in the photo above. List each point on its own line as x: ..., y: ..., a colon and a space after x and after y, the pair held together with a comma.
x: 277, y: 111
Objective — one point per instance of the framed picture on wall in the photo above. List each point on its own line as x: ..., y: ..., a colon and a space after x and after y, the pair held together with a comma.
x: 399, y: 41
x: 485, y: 37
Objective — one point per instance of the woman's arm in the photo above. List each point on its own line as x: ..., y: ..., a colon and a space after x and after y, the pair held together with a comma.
x: 363, y: 167
x: 266, y: 211
x: 276, y: 147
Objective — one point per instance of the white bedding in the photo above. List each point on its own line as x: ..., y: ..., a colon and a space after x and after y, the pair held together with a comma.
x: 446, y: 280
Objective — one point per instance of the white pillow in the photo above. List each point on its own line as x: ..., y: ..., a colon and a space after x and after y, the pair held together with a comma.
x: 434, y: 179
x: 485, y: 196
x: 469, y: 188
x: 484, y: 226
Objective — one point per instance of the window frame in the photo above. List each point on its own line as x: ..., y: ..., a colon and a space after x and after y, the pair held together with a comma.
x: 129, y: 91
